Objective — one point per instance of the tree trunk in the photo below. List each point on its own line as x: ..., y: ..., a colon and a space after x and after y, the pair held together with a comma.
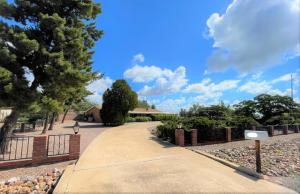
x: 9, y: 124
x: 52, y: 121
x: 65, y: 114
x: 46, y: 123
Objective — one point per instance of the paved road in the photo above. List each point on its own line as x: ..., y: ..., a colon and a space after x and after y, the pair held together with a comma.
x: 130, y: 159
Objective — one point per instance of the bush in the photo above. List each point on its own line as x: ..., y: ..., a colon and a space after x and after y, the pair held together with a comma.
x: 163, y: 117
x: 167, y: 130
x: 143, y: 119
x: 130, y: 119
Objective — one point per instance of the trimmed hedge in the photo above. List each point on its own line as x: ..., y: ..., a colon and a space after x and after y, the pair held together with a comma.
x: 130, y: 119
x: 143, y: 119
x: 163, y: 117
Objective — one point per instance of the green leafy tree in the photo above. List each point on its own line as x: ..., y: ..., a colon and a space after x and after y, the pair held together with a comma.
x: 50, y: 39
x: 266, y: 109
x: 117, y: 101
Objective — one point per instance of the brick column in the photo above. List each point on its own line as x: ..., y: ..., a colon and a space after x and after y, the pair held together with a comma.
x: 194, y: 137
x: 285, y: 129
x: 271, y: 131
x: 297, y: 128
x: 74, y: 146
x: 39, y: 152
x: 228, y: 134
x: 179, y: 137
x: 254, y: 128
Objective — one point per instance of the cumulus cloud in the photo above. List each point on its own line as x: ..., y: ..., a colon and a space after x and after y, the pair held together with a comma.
x: 171, y: 105
x: 97, y: 88
x: 260, y: 87
x: 254, y: 33
x: 206, y: 86
x: 138, y: 58
x: 168, y: 82
x: 144, y: 74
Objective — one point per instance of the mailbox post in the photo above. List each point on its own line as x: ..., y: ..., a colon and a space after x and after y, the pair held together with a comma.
x: 257, y: 136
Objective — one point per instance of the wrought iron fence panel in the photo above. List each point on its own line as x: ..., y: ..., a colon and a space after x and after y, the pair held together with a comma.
x: 292, y: 128
x: 278, y: 129
x: 58, y: 144
x: 17, y: 148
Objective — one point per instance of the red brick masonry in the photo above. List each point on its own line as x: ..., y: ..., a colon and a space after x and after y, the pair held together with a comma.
x: 39, y: 153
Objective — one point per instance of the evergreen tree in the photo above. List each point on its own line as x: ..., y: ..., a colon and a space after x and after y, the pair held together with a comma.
x: 51, y: 41
x: 117, y: 101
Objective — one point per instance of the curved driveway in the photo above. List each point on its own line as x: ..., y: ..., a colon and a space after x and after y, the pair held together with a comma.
x: 130, y: 159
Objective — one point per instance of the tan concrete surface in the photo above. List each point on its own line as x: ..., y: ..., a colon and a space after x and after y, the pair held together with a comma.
x: 130, y: 159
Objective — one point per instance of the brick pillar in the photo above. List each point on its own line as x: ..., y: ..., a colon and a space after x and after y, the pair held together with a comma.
x: 254, y: 128
x: 74, y: 146
x: 228, y: 134
x: 179, y: 137
x: 271, y: 131
x: 194, y: 137
x: 297, y: 128
x: 39, y: 152
x: 285, y: 129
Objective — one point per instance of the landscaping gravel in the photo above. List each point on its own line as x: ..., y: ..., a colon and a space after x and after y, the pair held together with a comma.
x: 280, y: 157
x: 42, y: 183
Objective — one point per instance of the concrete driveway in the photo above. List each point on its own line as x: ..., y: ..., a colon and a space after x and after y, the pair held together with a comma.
x: 130, y: 159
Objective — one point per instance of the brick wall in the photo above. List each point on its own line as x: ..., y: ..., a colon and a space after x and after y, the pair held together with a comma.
x: 40, y: 153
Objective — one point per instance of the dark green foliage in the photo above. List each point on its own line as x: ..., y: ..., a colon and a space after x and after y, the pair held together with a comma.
x: 117, y: 101
x: 130, y: 119
x: 167, y: 130
x: 143, y: 119
x: 163, y: 117
x: 267, y: 109
x: 51, y: 40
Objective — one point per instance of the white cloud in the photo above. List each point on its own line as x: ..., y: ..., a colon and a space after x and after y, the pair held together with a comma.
x: 145, y: 74
x: 208, y: 87
x: 284, y: 78
x: 138, y: 58
x: 255, y: 87
x: 165, y: 80
x: 254, y: 34
x: 171, y: 105
x: 97, y: 88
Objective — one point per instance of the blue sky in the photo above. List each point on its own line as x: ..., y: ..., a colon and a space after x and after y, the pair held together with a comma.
x: 175, y: 52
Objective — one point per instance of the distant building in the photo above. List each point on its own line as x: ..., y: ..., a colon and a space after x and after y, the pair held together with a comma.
x: 93, y: 113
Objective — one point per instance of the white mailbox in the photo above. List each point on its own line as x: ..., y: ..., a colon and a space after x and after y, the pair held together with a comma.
x: 256, y: 135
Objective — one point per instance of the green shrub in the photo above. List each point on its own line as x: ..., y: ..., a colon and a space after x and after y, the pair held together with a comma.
x: 164, y: 117
x: 143, y: 119
x: 167, y: 130
x: 130, y: 119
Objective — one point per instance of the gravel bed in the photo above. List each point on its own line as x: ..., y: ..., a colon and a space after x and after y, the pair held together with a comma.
x: 42, y: 183
x: 280, y: 157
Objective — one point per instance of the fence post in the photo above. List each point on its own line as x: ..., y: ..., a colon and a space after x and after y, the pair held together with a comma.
x: 194, y: 137
x: 74, y: 146
x: 285, y: 129
x: 22, y: 129
x: 39, y: 151
x: 271, y: 131
x: 179, y: 137
x: 297, y: 128
x: 228, y: 134
x: 254, y: 128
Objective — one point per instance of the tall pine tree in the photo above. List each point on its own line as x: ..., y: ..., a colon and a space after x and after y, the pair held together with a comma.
x: 50, y: 40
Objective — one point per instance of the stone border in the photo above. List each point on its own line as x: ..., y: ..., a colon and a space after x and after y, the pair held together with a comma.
x: 237, y: 167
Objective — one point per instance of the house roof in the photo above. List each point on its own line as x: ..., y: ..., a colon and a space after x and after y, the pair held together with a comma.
x: 97, y: 106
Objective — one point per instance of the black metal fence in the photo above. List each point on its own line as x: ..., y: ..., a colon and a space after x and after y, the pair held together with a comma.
x: 17, y: 148
x: 58, y: 144
x: 279, y: 129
